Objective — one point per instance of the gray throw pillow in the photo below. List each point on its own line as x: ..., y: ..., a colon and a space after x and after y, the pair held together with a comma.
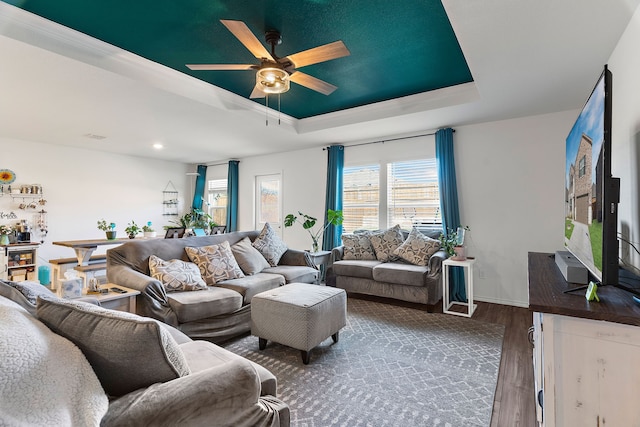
x: 418, y: 248
x: 249, y: 258
x: 127, y: 352
x: 270, y: 245
x: 31, y: 290
x: 357, y: 247
x: 385, y: 242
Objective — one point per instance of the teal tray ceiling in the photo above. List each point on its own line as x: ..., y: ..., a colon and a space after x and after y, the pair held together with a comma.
x: 397, y: 48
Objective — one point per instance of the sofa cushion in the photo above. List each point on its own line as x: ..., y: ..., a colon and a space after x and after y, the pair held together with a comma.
x: 24, y: 293
x: 400, y: 273
x: 270, y: 245
x: 385, y: 242
x: 294, y: 273
x: 363, y: 269
x: 357, y: 247
x: 45, y: 379
x: 216, y: 262
x: 126, y: 351
x: 203, y: 355
x: 418, y: 248
x: 248, y: 286
x: 214, y: 301
x: 176, y: 275
x: 249, y: 258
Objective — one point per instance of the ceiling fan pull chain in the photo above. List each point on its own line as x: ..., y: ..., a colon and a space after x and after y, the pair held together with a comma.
x: 278, y: 109
x: 266, y: 109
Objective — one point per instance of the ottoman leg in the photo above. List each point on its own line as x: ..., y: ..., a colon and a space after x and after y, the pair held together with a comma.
x: 306, y: 356
x: 336, y: 337
x: 262, y: 343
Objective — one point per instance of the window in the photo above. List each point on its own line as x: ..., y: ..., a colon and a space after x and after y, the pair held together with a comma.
x: 410, y: 196
x: 582, y: 166
x: 217, y: 200
x: 361, y: 199
x: 413, y: 197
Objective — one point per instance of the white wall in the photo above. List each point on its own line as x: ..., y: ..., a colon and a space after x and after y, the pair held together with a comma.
x: 84, y: 186
x: 624, y: 64
x: 510, y: 176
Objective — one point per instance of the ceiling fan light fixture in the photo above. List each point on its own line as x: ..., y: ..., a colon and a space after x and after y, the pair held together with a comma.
x: 272, y: 80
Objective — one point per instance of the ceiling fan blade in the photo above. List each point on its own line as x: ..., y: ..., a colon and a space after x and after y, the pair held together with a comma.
x: 319, y: 54
x: 257, y: 93
x: 215, y: 67
x: 247, y: 38
x: 312, y: 83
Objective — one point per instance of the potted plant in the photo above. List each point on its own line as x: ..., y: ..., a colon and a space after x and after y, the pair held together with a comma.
x: 453, y: 243
x: 333, y: 218
x: 132, y: 230
x: 109, y: 229
x: 148, y: 231
x: 5, y: 230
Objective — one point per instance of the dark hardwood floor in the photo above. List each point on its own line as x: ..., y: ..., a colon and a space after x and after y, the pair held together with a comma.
x: 514, y: 402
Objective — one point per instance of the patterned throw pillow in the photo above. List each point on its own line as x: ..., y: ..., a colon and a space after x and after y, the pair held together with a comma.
x: 176, y: 275
x: 385, y: 242
x: 357, y: 247
x: 30, y: 289
x: 216, y: 262
x: 418, y: 248
x: 270, y: 245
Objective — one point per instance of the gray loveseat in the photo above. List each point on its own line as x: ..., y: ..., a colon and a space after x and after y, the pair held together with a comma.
x: 73, y: 363
x: 216, y: 314
x: 394, y: 278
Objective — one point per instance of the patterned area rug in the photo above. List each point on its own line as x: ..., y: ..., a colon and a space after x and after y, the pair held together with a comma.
x: 393, y: 366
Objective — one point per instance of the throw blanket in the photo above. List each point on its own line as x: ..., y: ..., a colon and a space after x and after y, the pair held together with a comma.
x: 45, y: 380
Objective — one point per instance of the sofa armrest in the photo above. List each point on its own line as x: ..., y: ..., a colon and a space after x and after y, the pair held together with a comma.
x: 296, y: 257
x: 152, y: 301
x: 228, y: 394
x: 336, y: 254
x: 435, y: 263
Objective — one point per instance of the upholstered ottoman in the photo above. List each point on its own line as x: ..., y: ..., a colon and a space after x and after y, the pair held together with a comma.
x: 298, y: 315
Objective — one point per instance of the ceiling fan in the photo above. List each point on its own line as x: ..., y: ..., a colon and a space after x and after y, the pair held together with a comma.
x: 274, y: 73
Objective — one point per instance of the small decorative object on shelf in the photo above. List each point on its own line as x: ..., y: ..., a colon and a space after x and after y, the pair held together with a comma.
x: 148, y: 230
x: 132, y: 229
x: 109, y: 229
x: 333, y: 218
x: 5, y: 230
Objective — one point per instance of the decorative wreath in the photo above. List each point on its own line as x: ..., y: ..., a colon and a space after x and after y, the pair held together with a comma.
x: 7, y: 176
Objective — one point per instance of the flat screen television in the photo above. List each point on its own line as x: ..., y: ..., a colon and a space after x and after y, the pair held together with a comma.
x: 591, y: 193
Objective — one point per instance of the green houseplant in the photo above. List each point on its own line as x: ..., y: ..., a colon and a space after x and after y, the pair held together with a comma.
x: 132, y: 229
x: 308, y: 222
x: 109, y: 229
x: 453, y: 242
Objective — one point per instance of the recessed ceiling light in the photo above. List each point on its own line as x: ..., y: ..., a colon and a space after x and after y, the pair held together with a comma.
x: 158, y: 146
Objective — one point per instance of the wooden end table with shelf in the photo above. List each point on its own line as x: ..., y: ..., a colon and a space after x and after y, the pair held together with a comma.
x: 115, y: 300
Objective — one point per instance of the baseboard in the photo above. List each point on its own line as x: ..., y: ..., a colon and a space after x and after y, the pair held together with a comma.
x: 502, y: 301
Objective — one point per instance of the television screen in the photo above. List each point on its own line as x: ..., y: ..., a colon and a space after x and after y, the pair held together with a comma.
x: 590, y: 191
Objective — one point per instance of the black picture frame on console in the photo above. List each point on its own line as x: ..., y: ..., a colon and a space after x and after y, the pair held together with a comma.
x: 591, y: 192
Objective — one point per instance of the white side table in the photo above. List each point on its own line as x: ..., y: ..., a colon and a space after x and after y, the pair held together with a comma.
x: 321, y: 260
x: 467, y: 264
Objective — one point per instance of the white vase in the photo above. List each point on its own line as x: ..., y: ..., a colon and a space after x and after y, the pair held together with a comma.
x: 149, y: 234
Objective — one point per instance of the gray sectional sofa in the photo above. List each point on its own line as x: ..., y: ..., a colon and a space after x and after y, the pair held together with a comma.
x: 68, y: 362
x: 390, y: 276
x: 220, y: 311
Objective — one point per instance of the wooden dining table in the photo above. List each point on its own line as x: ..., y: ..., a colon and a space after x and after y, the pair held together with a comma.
x: 84, y: 248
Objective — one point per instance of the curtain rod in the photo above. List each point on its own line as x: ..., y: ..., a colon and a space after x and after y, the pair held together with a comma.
x: 223, y: 163
x: 387, y: 140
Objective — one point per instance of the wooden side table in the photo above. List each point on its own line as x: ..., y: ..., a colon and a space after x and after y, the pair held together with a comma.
x: 467, y: 264
x: 117, y: 301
